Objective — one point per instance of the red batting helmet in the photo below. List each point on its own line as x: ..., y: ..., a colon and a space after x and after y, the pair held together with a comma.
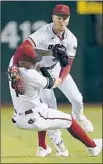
x: 29, y: 54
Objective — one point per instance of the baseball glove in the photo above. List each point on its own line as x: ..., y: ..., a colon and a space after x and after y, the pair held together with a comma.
x: 16, y: 80
x: 59, y: 52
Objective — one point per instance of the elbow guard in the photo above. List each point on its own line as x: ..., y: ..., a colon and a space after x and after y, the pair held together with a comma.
x: 50, y: 81
x: 45, y: 72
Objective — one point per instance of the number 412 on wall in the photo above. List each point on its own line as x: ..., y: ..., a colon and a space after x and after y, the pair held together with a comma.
x: 10, y: 32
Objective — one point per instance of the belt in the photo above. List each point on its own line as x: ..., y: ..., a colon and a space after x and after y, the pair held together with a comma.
x: 51, y: 67
x: 26, y: 112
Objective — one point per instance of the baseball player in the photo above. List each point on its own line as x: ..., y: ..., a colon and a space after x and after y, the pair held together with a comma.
x: 31, y: 113
x: 58, y: 39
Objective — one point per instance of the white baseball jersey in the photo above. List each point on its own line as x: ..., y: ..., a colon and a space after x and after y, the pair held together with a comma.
x: 45, y: 39
x: 41, y: 118
x: 33, y: 82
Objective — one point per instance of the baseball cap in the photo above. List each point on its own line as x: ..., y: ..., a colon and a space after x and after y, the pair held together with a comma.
x: 29, y: 54
x: 61, y: 10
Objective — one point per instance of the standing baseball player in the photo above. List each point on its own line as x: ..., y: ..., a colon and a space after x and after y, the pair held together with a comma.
x: 30, y: 113
x: 56, y: 37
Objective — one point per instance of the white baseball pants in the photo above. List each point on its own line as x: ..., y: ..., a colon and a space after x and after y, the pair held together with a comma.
x: 42, y: 118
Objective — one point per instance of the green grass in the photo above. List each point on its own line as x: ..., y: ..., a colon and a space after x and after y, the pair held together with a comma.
x: 19, y: 146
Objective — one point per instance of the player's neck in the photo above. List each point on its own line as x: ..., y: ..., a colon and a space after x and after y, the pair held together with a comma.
x: 58, y: 33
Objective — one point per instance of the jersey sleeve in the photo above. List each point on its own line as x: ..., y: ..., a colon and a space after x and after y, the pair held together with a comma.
x: 37, y: 38
x: 37, y: 80
x: 71, y: 48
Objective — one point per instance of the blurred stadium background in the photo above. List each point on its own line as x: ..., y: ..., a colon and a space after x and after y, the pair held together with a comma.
x: 19, y: 19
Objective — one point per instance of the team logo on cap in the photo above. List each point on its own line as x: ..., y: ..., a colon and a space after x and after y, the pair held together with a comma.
x: 63, y: 9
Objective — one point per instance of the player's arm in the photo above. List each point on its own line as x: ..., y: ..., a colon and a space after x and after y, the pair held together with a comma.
x: 63, y: 73
x: 66, y: 70
x: 41, y: 81
x: 50, y: 81
x: 71, y: 51
x: 33, y: 40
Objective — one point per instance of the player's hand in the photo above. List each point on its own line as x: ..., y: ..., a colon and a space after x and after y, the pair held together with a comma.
x: 58, y: 81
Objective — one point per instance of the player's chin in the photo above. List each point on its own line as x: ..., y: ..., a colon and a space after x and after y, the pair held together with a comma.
x: 62, y: 28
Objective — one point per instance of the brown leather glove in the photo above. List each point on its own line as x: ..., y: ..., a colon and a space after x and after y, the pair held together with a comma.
x: 16, y: 80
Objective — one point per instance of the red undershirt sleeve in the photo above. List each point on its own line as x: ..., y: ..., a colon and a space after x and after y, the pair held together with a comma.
x: 66, y: 70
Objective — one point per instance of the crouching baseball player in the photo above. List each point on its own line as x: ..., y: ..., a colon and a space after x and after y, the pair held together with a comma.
x: 30, y: 113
